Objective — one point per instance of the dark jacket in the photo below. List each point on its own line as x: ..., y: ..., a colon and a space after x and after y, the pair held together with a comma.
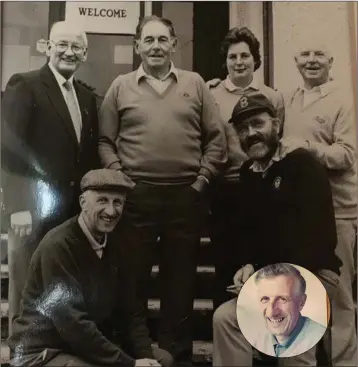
x: 39, y: 150
x: 74, y: 301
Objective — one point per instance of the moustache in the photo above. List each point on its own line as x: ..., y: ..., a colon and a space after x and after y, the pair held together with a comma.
x: 253, y: 140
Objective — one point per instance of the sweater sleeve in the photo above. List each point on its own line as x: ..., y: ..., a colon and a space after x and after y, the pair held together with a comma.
x: 214, y: 145
x: 63, y: 303
x: 17, y: 158
x: 109, y: 124
x: 341, y: 154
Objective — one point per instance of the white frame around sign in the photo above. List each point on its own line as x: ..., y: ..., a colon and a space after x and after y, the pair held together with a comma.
x: 103, y: 25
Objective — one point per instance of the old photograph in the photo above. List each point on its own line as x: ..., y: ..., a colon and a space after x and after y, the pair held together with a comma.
x: 155, y: 157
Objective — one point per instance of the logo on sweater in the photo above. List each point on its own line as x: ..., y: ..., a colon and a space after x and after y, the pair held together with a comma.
x: 186, y: 95
x: 320, y: 119
x: 277, y: 182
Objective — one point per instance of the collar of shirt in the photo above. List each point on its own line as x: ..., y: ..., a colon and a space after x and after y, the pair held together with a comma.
x: 322, y: 89
x: 59, y: 78
x: 231, y: 87
x: 280, y: 347
x: 278, y: 156
x: 142, y: 74
x: 93, y: 242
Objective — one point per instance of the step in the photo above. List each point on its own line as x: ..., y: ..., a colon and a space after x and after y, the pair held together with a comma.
x: 202, y: 318
x: 202, y: 352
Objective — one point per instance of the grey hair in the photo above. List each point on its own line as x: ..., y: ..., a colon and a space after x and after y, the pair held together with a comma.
x: 69, y: 26
x: 275, y: 270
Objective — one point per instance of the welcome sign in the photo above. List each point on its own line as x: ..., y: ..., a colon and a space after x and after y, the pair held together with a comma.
x: 118, y: 17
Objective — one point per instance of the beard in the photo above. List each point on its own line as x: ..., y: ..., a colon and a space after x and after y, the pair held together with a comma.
x: 260, y: 147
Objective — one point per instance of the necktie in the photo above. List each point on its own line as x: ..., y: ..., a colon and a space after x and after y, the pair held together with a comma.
x: 73, y: 109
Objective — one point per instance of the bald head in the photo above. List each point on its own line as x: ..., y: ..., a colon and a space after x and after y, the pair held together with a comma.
x: 314, y: 62
x: 60, y: 29
x: 67, y: 48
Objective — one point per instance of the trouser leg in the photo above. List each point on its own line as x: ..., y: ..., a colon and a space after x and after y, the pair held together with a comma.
x: 230, y: 347
x: 344, y: 346
x: 178, y: 262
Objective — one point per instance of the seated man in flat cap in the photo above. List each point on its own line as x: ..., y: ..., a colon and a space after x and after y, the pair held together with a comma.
x: 72, y: 299
x: 285, y: 216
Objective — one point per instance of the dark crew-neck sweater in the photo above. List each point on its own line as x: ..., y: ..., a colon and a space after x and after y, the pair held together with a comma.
x: 70, y: 298
x: 287, y: 215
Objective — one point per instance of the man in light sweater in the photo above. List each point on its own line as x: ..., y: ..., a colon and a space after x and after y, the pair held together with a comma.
x: 320, y: 118
x: 160, y: 125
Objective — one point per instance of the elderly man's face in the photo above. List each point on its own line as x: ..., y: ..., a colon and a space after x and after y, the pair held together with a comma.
x: 281, y: 303
x: 67, y: 51
x: 155, y: 46
x: 258, y: 135
x: 314, y: 64
x: 101, y: 210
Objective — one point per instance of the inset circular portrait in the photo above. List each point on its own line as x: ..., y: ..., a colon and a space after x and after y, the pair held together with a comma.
x: 283, y: 310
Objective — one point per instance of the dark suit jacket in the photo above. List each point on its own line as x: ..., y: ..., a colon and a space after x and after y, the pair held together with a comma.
x: 40, y: 153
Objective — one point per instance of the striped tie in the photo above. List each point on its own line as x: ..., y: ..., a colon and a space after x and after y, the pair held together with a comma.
x: 73, y: 109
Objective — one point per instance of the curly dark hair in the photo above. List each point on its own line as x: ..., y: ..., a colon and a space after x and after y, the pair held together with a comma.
x: 236, y: 35
x: 151, y: 18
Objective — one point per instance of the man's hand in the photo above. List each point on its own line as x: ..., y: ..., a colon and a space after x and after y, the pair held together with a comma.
x: 292, y: 143
x: 213, y: 83
x: 146, y: 362
x: 241, y: 276
x: 200, y: 184
x: 21, y: 223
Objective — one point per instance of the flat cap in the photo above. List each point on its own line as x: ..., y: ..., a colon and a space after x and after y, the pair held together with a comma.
x: 249, y: 104
x: 106, y: 179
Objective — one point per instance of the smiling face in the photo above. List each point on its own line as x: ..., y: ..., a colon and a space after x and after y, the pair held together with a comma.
x: 258, y: 135
x: 281, y: 303
x: 66, y: 60
x: 314, y: 64
x: 155, y: 47
x: 101, y: 210
x: 240, y: 62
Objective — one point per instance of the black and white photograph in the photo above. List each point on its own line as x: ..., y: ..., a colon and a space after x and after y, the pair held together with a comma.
x: 156, y: 157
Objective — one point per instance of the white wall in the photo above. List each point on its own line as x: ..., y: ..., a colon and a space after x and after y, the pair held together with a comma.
x: 296, y: 23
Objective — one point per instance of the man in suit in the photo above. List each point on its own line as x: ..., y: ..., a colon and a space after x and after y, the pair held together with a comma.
x: 49, y: 140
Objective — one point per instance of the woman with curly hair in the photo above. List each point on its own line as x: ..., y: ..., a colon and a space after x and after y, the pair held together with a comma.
x: 241, y: 51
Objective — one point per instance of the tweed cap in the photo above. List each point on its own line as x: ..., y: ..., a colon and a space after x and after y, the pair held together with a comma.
x: 249, y: 104
x: 106, y: 179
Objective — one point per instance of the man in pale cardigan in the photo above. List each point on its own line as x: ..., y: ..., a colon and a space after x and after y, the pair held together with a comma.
x: 160, y: 125
x: 320, y: 118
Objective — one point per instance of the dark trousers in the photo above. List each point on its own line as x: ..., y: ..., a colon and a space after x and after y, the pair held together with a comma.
x: 173, y: 214
x: 225, y: 202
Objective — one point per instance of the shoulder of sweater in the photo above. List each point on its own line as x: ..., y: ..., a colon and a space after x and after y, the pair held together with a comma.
x: 269, y: 92
x: 190, y: 75
x: 313, y: 326
x: 124, y: 78
x: 56, y: 239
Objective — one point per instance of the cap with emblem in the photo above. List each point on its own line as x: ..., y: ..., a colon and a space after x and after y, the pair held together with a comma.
x: 250, y: 104
x: 106, y: 179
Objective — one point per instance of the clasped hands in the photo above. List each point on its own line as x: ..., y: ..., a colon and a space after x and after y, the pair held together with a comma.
x: 241, y: 276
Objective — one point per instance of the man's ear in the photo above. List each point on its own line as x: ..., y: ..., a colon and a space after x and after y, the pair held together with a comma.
x: 82, y: 201
x: 136, y: 46
x: 174, y: 42
x: 85, y: 55
x: 303, y: 301
x: 330, y: 61
x: 276, y: 124
x: 48, y: 48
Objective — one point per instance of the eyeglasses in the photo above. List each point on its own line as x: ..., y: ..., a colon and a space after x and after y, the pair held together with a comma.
x: 63, y: 47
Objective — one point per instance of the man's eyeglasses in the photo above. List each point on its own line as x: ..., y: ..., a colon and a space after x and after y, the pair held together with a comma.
x: 63, y: 47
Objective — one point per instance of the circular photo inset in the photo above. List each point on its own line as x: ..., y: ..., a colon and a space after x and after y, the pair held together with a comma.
x: 283, y: 310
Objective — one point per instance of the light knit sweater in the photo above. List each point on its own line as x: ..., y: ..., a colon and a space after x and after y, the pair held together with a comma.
x: 167, y: 137
x: 328, y: 124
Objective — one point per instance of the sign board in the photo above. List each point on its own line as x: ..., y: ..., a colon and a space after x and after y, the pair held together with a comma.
x: 118, y: 17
